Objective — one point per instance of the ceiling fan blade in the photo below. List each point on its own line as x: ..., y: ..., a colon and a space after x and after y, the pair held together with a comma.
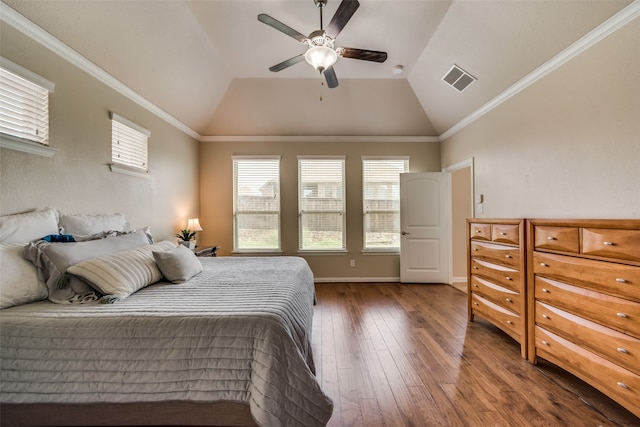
x: 344, y: 13
x: 288, y: 63
x: 330, y: 77
x: 366, y: 55
x: 272, y: 22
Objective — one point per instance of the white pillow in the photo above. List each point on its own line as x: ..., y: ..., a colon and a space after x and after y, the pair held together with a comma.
x: 25, y: 227
x: 120, y: 274
x: 91, y: 224
x: 19, y: 282
x: 178, y: 265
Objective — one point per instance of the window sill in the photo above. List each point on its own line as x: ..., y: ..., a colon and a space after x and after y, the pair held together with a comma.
x: 381, y: 252
x: 128, y: 171
x: 26, y: 146
x: 259, y: 252
x: 327, y: 252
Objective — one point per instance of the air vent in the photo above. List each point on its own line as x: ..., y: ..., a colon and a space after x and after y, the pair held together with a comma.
x: 458, y: 78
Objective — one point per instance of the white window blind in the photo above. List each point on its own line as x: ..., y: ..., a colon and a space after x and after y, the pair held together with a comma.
x: 256, y: 203
x: 381, y: 201
x: 129, y: 143
x: 321, y: 203
x: 24, y: 104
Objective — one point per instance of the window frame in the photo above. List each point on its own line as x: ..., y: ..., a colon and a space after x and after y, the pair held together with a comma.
x: 134, y: 130
x: 365, y: 211
x: 38, y: 84
x: 236, y: 246
x: 342, y: 211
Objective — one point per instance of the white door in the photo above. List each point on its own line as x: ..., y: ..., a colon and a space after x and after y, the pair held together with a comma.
x: 425, y: 201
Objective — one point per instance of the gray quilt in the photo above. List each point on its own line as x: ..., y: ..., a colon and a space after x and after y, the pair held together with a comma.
x: 239, y: 331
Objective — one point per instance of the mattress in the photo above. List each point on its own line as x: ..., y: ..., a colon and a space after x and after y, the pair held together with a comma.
x: 237, y: 332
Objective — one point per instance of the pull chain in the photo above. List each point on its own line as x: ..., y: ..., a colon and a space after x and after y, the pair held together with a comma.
x: 321, y: 84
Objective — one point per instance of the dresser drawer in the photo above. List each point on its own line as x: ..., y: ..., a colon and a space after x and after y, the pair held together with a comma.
x: 611, y: 243
x: 503, y: 297
x: 617, y: 313
x: 504, y: 319
x: 500, y: 254
x: 566, y: 239
x: 616, y: 382
x: 607, y: 277
x: 506, y: 233
x: 619, y: 348
x: 480, y: 231
x: 504, y: 276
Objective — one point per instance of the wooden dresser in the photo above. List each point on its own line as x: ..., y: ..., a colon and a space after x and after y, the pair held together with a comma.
x: 496, y: 275
x: 584, y: 301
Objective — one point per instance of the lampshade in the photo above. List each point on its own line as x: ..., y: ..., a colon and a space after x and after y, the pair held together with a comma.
x: 193, y: 224
x: 321, y: 57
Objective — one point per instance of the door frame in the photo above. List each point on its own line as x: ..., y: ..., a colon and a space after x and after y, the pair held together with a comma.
x: 452, y: 168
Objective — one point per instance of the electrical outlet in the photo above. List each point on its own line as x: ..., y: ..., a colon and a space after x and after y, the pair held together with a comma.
x: 352, y: 263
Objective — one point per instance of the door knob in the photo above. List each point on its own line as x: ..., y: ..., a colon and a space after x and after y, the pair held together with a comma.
x: 404, y: 232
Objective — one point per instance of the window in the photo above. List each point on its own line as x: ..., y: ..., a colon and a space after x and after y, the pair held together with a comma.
x: 129, y: 144
x: 381, y: 201
x: 321, y: 203
x: 256, y: 203
x: 24, y: 104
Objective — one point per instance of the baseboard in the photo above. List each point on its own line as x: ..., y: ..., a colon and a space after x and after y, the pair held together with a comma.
x: 460, y: 283
x: 356, y: 279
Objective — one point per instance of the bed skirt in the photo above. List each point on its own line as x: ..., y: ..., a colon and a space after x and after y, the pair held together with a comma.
x: 171, y: 413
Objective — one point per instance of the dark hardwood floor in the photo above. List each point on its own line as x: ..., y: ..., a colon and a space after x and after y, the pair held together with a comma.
x: 394, y: 354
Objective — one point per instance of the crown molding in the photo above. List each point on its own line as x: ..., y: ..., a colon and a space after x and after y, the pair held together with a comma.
x: 30, y: 29
x: 328, y: 138
x: 37, y: 34
x: 611, y: 25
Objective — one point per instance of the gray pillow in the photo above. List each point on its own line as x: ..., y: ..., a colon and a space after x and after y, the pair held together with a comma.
x: 53, y: 260
x: 178, y: 265
x: 120, y: 274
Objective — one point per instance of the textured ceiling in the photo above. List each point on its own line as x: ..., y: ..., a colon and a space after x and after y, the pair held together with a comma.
x: 206, y: 62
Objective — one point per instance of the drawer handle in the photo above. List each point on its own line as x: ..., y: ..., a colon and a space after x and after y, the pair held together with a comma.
x: 551, y: 238
x: 622, y: 350
x: 475, y: 285
x: 475, y: 267
x: 478, y: 231
x: 475, y: 249
x: 508, y: 299
x: 502, y: 233
x: 620, y: 280
x: 622, y: 315
x: 544, y: 316
x: 509, y: 322
x: 543, y: 264
x: 508, y: 256
x: 508, y: 278
x: 546, y: 291
x: 545, y: 343
x: 608, y: 243
x: 623, y: 385
x: 475, y: 303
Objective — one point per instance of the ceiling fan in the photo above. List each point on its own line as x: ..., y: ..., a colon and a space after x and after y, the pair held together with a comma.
x: 322, y: 52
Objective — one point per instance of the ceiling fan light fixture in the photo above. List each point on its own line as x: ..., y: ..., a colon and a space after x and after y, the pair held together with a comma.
x: 321, y: 57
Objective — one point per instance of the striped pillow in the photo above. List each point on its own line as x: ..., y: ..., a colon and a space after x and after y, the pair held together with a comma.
x: 120, y: 274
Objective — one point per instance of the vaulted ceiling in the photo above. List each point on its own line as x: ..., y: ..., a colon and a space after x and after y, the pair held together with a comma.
x: 206, y: 62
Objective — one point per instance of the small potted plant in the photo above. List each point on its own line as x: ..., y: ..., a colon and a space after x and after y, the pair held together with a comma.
x: 186, y: 238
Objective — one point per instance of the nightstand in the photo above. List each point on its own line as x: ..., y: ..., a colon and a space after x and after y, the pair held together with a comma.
x: 212, y: 251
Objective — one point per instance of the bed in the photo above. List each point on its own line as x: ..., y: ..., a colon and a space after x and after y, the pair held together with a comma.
x: 228, y: 346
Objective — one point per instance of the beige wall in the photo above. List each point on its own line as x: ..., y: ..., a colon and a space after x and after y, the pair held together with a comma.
x: 567, y: 146
x: 77, y: 179
x: 216, y: 198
